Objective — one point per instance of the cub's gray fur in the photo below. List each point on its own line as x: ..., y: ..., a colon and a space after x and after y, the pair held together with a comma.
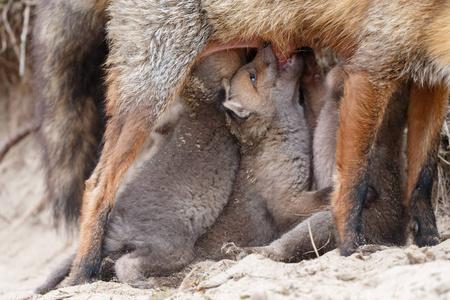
x: 271, y: 191
x: 269, y: 197
x: 384, y: 214
x: 179, y: 193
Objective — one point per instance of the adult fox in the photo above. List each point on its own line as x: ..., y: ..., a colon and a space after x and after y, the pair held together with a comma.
x: 154, y: 44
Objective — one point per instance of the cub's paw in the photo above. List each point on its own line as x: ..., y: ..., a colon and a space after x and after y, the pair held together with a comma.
x: 272, y: 253
x: 230, y: 250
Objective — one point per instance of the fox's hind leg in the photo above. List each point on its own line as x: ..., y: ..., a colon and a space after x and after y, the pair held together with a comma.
x: 425, y: 114
x: 123, y: 139
x: 147, y: 67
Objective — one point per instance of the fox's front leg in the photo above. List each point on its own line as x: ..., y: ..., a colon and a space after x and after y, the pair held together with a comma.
x: 425, y: 115
x: 361, y: 114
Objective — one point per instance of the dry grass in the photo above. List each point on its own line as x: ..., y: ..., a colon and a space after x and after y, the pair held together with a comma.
x: 15, y: 20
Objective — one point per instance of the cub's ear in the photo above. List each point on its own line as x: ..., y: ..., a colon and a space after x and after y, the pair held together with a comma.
x: 224, y: 90
x: 267, y: 53
x: 237, y: 109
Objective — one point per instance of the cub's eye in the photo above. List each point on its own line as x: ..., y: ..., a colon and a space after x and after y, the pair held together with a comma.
x: 252, y: 78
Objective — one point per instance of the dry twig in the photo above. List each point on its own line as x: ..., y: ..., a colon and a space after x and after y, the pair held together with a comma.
x: 18, y: 136
x: 23, y: 37
x: 312, y: 240
x: 8, y: 29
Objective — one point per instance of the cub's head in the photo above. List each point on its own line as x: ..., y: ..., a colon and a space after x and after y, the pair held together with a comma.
x: 261, y: 93
x: 205, y: 81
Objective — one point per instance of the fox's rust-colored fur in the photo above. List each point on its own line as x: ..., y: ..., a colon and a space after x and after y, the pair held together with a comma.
x: 385, y: 44
x: 424, y: 125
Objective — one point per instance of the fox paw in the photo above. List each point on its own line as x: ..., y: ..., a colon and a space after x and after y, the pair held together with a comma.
x: 425, y: 233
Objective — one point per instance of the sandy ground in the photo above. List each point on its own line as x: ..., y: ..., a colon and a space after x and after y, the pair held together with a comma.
x: 30, y: 248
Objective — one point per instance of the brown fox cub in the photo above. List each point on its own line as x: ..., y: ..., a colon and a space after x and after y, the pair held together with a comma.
x: 271, y: 190
x: 154, y: 44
